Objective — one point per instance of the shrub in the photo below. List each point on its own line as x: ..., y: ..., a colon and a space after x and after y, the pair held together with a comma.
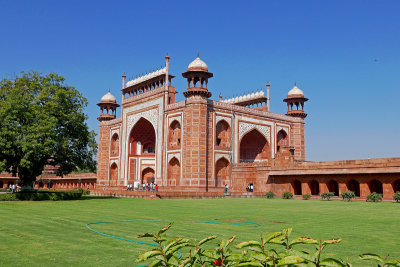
x: 5, y: 189
x: 396, y: 196
x: 306, y: 196
x: 327, y: 195
x: 270, y: 194
x: 83, y: 191
x: 287, y: 195
x: 348, y: 195
x: 185, y: 252
x: 374, y: 197
x: 42, y: 195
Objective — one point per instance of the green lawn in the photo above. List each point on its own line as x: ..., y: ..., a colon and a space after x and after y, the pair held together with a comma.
x: 55, y: 233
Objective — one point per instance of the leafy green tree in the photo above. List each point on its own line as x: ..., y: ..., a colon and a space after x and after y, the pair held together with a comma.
x: 42, y: 123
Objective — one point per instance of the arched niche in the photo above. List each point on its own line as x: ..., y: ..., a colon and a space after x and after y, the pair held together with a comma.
x: 142, y: 139
x: 354, y: 186
x: 114, y: 145
x: 174, y: 172
x: 222, y: 172
x: 254, y: 147
x: 174, y: 135
x: 297, y: 190
x: 333, y: 187
x: 282, y: 139
x: 375, y: 186
x: 314, y: 187
x: 223, y: 134
x: 148, y: 175
x: 114, y: 172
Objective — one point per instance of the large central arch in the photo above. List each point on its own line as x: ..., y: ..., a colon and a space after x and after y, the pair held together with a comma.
x: 254, y: 147
x: 142, y: 139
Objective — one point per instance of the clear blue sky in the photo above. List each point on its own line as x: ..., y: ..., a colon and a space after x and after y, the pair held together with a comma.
x: 344, y: 55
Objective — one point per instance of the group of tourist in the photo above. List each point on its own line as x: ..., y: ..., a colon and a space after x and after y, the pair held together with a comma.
x: 249, y: 188
x: 145, y: 187
x: 14, y: 188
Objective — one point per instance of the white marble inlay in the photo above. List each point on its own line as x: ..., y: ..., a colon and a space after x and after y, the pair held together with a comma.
x: 245, y: 127
x: 219, y: 118
x: 286, y: 129
x: 227, y: 156
x: 174, y: 155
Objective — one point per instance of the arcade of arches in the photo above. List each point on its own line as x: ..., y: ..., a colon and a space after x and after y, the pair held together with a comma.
x: 254, y: 147
x: 361, y: 186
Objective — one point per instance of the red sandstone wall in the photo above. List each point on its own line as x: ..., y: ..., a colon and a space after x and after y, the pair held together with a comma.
x: 297, y: 141
x: 103, y: 154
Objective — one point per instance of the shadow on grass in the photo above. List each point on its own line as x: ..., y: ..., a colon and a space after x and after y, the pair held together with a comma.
x: 87, y: 197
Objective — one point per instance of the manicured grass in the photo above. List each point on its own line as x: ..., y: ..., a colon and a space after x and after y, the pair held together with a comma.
x: 54, y: 232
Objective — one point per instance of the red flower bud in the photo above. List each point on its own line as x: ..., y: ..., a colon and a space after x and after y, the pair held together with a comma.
x: 155, y: 249
x: 217, y: 263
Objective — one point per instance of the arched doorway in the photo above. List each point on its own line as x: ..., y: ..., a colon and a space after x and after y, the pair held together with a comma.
x: 174, y: 172
x: 174, y: 135
x: 223, y: 134
x: 113, y: 174
x: 254, y: 147
x: 148, y: 175
x: 115, y: 145
x: 333, y: 187
x: 282, y: 139
x: 314, y: 187
x: 142, y: 139
x: 396, y: 186
x: 376, y: 186
x: 222, y: 172
x: 354, y: 186
x: 297, y: 187
x: 1, y: 184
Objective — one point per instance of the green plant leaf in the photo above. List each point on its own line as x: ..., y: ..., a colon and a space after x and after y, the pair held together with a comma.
x: 371, y: 256
x: 250, y: 263
x: 248, y: 244
x: 290, y: 260
x: 260, y: 256
x: 149, y: 254
x: 271, y: 236
x: 147, y: 235
x: 302, y: 240
x: 331, y: 262
x: 162, y: 230
x: 155, y: 263
x: 172, y: 242
x: 229, y: 241
x: 331, y: 241
x: 183, y: 263
x: 204, y: 240
x: 173, y: 261
x: 236, y: 258
x: 211, y: 254
x: 393, y: 263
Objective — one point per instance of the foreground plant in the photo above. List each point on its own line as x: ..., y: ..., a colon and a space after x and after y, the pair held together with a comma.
x: 248, y: 253
x: 382, y: 262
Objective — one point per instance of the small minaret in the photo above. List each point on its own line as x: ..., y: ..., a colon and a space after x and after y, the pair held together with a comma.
x: 197, y: 76
x: 295, y: 102
x: 268, y: 96
x: 108, y: 106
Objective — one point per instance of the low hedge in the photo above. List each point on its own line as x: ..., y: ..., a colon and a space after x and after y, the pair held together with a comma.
x: 41, y: 195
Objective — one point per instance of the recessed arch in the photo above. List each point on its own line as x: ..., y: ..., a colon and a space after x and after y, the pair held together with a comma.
x: 254, y: 147
x: 174, y: 135
x: 174, y: 172
x: 113, y: 173
x: 148, y: 175
x: 1, y: 184
x: 396, y: 186
x: 222, y: 172
x: 296, y: 184
x: 223, y: 134
x: 115, y: 145
x: 333, y: 187
x: 142, y: 138
x: 375, y: 186
x: 282, y: 139
x: 314, y: 187
x: 354, y: 185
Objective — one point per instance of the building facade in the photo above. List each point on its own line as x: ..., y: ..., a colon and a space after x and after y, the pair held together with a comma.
x: 201, y: 145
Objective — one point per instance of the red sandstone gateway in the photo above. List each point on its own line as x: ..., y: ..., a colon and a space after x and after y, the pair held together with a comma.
x: 193, y: 148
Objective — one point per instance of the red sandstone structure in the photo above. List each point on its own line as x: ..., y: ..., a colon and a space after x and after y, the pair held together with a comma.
x: 196, y: 146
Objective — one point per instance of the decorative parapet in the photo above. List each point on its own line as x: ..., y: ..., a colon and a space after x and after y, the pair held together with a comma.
x: 272, y: 115
x: 147, y: 77
x: 175, y: 105
x: 143, y: 95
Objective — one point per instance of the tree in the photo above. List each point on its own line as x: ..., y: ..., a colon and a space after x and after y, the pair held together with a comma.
x: 42, y: 123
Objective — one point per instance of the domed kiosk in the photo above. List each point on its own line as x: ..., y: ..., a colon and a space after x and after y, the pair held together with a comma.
x: 108, y: 106
x: 295, y: 102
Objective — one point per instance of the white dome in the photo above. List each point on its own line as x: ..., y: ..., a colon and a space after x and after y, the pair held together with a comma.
x: 257, y: 94
x: 252, y: 95
x: 240, y: 98
x: 295, y: 91
x: 261, y: 93
x: 197, y: 63
x: 107, y: 98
